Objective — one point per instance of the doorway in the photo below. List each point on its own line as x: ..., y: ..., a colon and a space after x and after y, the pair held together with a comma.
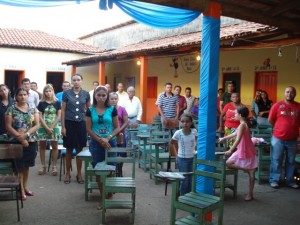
x: 267, y: 81
x: 13, y: 79
x: 56, y: 79
x: 235, y: 78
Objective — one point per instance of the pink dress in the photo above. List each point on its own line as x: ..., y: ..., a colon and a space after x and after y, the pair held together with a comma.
x: 245, y: 155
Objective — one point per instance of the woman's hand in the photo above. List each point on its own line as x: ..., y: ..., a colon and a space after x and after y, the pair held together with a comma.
x: 49, y: 130
x: 229, y: 152
x: 221, y: 140
x: 63, y: 131
x: 21, y: 137
x: 25, y: 143
x: 105, y: 143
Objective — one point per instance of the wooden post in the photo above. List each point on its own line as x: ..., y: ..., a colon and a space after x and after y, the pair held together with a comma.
x: 73, y: 70
x: 143, y: 86
x: 101, y: 75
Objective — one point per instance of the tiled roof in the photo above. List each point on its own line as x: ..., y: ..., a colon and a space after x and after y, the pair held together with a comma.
x: 33, y: 39
x: 146, y: 47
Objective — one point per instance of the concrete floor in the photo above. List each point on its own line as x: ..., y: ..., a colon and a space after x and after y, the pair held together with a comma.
x: 56, y: 203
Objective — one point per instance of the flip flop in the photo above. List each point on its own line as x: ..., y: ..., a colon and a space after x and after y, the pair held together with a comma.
x: 79, y: 181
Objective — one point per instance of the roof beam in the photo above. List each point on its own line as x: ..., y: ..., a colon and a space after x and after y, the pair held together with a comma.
x: 286, y: 6
x: 234, y: 11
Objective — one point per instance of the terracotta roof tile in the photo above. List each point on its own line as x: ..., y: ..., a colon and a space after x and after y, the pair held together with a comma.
x: 33, y: 39
x: 226, y: 32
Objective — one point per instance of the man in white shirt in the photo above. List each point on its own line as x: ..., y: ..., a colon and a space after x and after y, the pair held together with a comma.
x: 189, y: 99
x: 133, y: 107
x: 33, y: 97
x: 121, y: 94
x: 95, y: 84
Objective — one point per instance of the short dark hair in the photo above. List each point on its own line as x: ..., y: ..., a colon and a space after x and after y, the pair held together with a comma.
x: 220, y: 89
x: 25, y: 80
x: 77, y: 74
x: 65, y: 82
x: 168, y: 83
x: 188, y: 88
x: 177, y: 86
x: 33, y: 83
x: 243, y: 110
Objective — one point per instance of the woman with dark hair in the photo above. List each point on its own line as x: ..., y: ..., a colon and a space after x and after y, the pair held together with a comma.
x: 22, y: 122
x: 264, y: 106
x: 5, y: 102
x: 75, y: 102
x: 123, y: 123
x: 102, y: 125
x: 242, y: 153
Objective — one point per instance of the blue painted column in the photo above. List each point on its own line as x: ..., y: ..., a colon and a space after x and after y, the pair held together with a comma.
x: 209, y: 73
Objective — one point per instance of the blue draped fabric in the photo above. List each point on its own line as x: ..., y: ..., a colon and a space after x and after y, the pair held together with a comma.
x: 157, y: 16
x: 209, y: 75
x: 40, y: 3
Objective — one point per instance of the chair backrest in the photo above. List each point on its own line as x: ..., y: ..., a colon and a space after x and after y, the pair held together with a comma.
x: 160, y: 135
x: 113, y: 156
x: 11, y: 151
x: 211, y: 170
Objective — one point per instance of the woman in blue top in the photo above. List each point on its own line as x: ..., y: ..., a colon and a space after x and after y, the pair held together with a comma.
x: 102, y: 126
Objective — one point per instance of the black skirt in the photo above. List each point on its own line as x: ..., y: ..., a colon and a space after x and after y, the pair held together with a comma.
x: 29, y: 155
x: 76, y: 135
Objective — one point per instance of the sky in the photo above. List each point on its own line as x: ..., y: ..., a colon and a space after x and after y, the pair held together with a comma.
x: 70, y: 21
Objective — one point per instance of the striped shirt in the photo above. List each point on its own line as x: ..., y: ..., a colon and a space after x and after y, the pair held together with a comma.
x: 168, y: 104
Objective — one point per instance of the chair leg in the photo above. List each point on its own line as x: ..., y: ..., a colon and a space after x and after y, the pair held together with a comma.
x: 18, y: 209
x: 60, y: 168
x: 50, y: 159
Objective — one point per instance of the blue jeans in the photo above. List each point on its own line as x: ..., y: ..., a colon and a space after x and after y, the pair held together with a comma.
x: 98, y: 152
x: 185, y: 165
x: 279, y: 148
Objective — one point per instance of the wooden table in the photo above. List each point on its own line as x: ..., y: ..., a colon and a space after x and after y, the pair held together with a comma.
x: 264, y: 160
x: 102, y: 169
x: 89, y: 172
x: 144, y: 149
x: 158, y: 157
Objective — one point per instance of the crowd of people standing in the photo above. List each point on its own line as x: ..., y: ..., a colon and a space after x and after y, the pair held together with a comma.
x: 35, y: 119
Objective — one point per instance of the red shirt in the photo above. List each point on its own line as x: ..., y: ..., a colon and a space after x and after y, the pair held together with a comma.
x: 182, y: 101
x: 230, y: 121
x: 286, y: 118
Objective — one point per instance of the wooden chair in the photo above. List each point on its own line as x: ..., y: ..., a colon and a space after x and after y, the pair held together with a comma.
x: 9, y: 180
x: 119, y: 184
x: 158, y: 140
x: 232, y: 185
x: 264, y: 157
x: 200, y: 204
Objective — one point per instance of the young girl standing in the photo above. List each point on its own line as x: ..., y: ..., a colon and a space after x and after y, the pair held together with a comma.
x: 50, y: 113
x: 242, y: 153
x: 186, y: 139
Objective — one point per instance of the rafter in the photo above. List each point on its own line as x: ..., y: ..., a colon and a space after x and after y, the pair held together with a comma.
x: 236, y: 11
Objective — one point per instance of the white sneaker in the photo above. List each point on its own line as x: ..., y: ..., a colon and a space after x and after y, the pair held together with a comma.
x: 274, y: 185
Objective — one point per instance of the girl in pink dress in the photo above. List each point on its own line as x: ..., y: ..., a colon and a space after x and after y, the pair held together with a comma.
x: 242, y: 153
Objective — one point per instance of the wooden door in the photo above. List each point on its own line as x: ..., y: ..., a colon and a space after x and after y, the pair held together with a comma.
x: 151, y: 98
x: 267, y: 81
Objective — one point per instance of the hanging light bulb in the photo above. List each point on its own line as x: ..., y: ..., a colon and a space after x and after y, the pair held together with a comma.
x: 138, y: 62
x: 198, y: 57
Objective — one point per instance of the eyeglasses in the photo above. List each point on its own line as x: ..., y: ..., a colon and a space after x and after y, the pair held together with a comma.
x: 100, y: 119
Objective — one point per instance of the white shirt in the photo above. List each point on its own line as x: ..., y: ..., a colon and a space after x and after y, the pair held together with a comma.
x: 133, y: 107
x: 186, y: 143
x: 91, y: 96
x: 189, y: 103
x: 122, y: 97
x: 33, y: 99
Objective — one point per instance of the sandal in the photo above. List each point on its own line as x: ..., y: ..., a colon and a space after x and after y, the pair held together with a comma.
x: 42, y: 170
x: 67, y: 180
x: 29, y: 193
x: 79, y: 181
x: 54, y: 171
x: 23, y: 197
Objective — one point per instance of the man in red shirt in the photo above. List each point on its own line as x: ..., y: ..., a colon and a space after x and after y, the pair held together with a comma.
x: 285, y: 119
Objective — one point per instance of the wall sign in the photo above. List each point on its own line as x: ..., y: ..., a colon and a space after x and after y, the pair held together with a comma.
x: 189, y: 63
